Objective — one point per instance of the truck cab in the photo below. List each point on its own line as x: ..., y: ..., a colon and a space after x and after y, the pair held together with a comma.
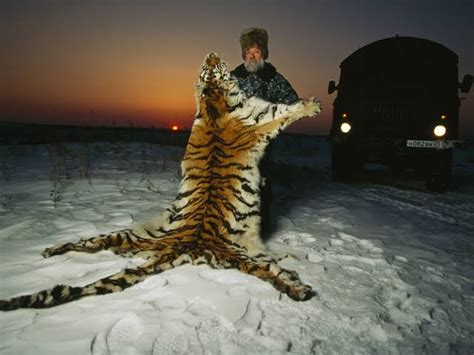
x: 397, y: 104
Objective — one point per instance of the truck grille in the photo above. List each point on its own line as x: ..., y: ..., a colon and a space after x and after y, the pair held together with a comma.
x: 387, y: 120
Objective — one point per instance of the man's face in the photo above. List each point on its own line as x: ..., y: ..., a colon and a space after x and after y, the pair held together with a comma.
x: 253, y: 55
x: 253, y: 59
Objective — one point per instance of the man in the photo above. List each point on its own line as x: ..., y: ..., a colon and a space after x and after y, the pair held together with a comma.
x: 256, y: 76
x: 259, y: 78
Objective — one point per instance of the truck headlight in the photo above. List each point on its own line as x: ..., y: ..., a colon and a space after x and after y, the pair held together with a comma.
x: 439, y: 131
x: 345, y: 127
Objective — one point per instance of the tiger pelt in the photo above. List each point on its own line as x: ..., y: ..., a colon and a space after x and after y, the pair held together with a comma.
x: 214, y: 219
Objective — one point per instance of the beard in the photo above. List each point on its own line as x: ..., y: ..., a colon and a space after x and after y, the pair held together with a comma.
x: 254, y: 66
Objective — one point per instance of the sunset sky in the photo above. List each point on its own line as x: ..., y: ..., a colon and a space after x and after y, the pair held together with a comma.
x: 99, y: 61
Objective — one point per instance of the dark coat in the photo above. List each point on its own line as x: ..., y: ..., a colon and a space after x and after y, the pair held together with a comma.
x: 266, y: 84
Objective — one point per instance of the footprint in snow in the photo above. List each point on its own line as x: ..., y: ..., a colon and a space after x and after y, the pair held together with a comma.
x: 121, y: 337
x: 170, y: 343
x: 224, y: 276
x: 293, y: 238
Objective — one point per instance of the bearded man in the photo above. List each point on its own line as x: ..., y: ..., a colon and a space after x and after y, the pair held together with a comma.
x: 259, y: 78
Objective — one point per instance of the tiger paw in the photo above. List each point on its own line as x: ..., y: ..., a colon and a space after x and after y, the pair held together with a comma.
x: 61, y: 249
x: 288, y: 256
x: 282, y: 256
x: 301, y: 292
x: 312, y: 107
x: 4, y: 305
x: 48, y: 252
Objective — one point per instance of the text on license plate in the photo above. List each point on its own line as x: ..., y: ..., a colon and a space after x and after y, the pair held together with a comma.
x: 429, y: 144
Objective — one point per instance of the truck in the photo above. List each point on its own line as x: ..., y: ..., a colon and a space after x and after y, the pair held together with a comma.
x: 398, y: 105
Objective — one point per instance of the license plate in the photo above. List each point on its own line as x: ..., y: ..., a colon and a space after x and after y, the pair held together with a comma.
x: 412, y: 143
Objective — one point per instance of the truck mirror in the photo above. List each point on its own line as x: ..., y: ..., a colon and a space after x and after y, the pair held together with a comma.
x: 466, y: 84
x: 332, y: 87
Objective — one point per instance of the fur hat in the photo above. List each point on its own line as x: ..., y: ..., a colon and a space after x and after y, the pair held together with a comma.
x: 254, y: 36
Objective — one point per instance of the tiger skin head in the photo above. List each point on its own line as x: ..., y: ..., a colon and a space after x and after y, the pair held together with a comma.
x: 213, y: 71
x: 217, y: 91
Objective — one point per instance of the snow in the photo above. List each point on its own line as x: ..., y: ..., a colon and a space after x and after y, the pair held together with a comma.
x: 391, y: 263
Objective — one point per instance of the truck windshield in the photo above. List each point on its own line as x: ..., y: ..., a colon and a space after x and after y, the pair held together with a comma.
x: 402, y: 80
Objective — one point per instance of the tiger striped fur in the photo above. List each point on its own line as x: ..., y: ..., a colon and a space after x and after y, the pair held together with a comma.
x: 214, y: 219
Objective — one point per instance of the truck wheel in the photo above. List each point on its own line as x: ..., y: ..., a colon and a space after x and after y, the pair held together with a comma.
x: 439, y: 171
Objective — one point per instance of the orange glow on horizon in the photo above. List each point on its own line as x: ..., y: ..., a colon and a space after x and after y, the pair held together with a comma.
x: 174, y: 128
x: 124, y: 62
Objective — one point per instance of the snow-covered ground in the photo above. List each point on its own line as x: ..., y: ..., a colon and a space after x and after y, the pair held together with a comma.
x: 392, y: 264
